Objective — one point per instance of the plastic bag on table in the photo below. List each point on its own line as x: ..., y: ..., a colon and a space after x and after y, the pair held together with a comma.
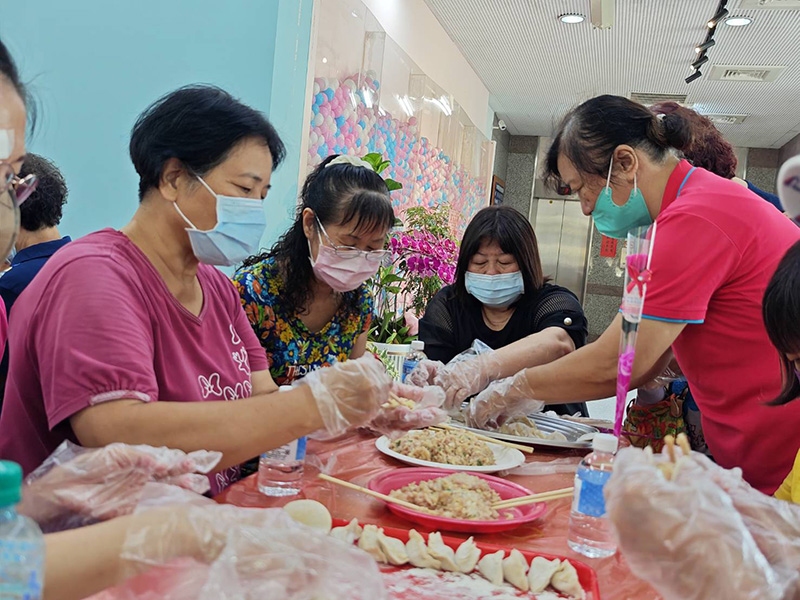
x: 77, y: 486
x: 687, y: 537
x: 551, y: 467
x: 211, y: 551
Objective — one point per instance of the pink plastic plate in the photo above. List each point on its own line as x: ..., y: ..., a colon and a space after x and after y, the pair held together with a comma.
x: 398, y: 478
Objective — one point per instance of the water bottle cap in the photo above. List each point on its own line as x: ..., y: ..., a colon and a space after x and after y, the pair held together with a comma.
x: 418, y: 345
x: 605, y: 442
x: 10, y: 483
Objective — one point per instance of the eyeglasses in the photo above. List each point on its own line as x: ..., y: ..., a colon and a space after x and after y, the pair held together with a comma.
x: 20, y: 188
x: 347, y: 252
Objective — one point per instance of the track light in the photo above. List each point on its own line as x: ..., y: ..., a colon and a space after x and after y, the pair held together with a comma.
x: 704, y: 46
x: 696, y: 75
x: 721, y: 14
x: 700, y: 62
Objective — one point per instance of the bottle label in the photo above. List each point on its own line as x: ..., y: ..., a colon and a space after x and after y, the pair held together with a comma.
x: 588, y: 498
x: 409, y: 366
x: 21, y: 569
x: 295, y: 450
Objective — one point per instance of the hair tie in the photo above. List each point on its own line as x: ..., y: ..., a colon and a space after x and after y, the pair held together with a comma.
x: 661, y: 116
x: 346, y: 159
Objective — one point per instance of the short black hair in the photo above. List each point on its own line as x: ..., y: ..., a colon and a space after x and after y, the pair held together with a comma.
x: 589, y: 134
x: 781, y: 312
x: 514, y: 234
x: 44, y: 207
x: 199, y: 125
x: 9, y: 72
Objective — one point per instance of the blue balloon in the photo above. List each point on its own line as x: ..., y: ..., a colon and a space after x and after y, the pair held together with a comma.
x: 320, y: 98
x: 323, y: 150
x: 329, y: 93
x: 340, y: 121
x: 358, y: 143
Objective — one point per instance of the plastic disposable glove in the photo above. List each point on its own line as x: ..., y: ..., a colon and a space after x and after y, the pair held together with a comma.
x: 349, y: 393
x: 394, y: 421
x: 77, y: 486
x: 687, y: 537
x: 465, y: 378
x: 246, y: 554
x: 424, y: 373
x: 501, y: 401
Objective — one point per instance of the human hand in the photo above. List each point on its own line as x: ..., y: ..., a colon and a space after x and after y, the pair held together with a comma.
x: 395, y: 418
x: 424, y: 373
x: 464, y: 378
x: 349, y: 393
x: 501, y: 401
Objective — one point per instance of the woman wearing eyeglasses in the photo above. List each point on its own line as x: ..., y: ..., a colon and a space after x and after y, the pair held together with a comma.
x: 306, y: 298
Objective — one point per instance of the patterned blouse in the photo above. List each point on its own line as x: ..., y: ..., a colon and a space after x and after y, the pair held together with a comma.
x: 293, y: 350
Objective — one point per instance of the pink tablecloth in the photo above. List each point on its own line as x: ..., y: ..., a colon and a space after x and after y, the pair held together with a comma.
x: 355, y: 458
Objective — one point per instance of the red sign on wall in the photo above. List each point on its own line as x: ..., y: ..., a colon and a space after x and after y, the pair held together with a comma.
x: 608, y: 247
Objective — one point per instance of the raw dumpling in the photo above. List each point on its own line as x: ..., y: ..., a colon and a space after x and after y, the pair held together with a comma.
x: 467, y: 556
x: 418, y: 554
x: 491, y: 567
x: 541, y: 572
x: 368, y: 542
x: 349, y: 533
x: 311, y: 513
x: 565, y: 580
x: 515, y: 569
x: 394, y: 549
x: 442, y: 552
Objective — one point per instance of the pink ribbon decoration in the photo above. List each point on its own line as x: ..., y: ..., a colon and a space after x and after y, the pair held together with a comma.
x: 637, y: 275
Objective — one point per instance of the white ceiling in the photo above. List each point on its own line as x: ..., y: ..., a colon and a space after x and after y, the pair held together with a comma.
x: 536, y: 67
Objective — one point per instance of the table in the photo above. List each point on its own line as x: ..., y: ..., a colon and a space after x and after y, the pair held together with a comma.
x: 354, y: 458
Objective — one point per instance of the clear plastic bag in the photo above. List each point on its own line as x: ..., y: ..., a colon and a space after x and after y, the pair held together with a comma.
x: 77, y: 486
x: 704, y: 533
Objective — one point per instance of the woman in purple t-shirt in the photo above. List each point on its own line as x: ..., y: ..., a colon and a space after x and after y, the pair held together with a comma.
x: 133, y: 336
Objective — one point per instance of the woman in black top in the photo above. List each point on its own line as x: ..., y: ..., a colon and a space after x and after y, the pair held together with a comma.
x: 500, y: 297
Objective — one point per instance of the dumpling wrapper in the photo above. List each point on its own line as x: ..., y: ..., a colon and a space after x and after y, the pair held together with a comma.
x: 349, y: 533
x: 515, y: 570
x: 467, y: 556
x: 491, y: 567
x: 565, y: 580
x: 394, y: 549
x: 542, y: 571
x: 311, y: 513
x: 418, y: 554
x: 368, y: 542
x: 442, y: 552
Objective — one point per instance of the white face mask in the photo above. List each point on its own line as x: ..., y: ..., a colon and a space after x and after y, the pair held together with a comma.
x: 237, y: 234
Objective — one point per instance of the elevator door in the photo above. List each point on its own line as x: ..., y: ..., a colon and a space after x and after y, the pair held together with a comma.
x: 562, y: 232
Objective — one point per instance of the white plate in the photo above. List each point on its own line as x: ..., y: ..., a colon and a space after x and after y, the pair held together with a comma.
x: 504, y: 458
x: 574, y: 432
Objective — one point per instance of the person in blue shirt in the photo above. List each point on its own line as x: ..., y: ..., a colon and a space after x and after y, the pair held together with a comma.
x: 38, y: 237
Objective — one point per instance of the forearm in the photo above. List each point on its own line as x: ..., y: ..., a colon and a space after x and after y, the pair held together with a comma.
x: 537, y: 349
x: 240, y: 429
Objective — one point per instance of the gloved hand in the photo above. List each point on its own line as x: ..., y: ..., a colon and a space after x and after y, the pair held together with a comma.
x: 690, y: 539
x: 462, y: 379
x: 424, y: 373
x: 502, y: 400
x: 77, y: 486
x: 250, y: 553
x: 349, y: 393
x: 394, y: 421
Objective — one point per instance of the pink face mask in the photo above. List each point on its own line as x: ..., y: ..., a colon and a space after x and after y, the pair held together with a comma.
x: 343, y: 268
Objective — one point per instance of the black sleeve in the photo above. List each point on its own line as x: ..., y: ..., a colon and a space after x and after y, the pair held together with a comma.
x: 436, y: 329
x: 560, y: 308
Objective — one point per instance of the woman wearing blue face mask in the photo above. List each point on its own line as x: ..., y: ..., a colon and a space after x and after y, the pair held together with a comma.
x: 502, y: 298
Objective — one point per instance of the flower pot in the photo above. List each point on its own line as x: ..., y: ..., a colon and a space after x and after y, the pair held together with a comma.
x: 392, y: 355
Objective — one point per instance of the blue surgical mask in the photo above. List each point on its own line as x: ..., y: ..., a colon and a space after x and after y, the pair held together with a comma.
x: 497, y: 291
x: 616, y: 221
x: 237, y: 234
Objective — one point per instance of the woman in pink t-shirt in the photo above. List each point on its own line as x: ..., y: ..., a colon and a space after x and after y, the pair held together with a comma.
x: 717, y: 244
x: 133, y: 336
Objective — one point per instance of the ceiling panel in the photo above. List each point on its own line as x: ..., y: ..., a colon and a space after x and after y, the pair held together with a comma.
x: 536, y: 67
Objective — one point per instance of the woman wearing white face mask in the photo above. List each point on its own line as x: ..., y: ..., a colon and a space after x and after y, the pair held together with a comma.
x: 501, y: 297
x: 306, y: 298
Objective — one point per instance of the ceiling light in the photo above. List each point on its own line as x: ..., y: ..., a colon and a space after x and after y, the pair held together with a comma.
x: 704, y: 46
x: 721, y: 14
x: 700, y: 62
x: 324, y: 60
x: 738, y: 21
x: 696, y: 75
x: 571, y: 18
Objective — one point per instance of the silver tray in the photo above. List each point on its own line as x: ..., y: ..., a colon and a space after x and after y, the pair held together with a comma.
x: 570, y: 429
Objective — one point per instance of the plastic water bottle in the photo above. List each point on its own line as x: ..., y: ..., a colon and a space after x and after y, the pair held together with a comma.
x: 589, y: 530
x: 412, y: 360
x: 21, y: 541
x: 280, y: 470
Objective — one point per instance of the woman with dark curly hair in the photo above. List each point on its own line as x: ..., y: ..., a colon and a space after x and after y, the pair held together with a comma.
x: 306, y: 298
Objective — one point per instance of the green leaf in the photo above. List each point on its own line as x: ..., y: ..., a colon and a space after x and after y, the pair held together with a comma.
x: 382, y: 166
x: 374, y: 159
x: 393, y: 289
x: 393, y: 185
x: 391, y: 338
x: 391, y: 278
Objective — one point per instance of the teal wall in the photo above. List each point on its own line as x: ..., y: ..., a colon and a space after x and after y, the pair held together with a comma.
x: 94, y: 65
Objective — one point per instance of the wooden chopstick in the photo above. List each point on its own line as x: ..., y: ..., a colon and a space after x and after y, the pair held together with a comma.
x: 372, y: 493
x: 486, y: 438
x: 550, y: 495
